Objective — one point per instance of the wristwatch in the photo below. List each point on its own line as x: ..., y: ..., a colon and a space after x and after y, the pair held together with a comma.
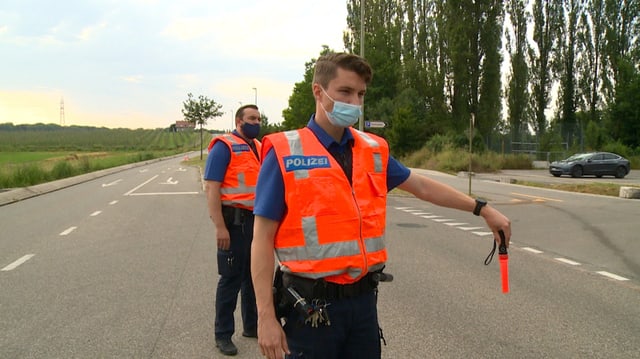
x: 479, y: 204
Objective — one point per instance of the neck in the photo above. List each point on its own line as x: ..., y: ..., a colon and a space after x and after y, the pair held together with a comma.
x: 334, y: 131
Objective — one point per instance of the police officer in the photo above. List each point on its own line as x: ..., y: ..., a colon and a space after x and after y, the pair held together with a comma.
x: 320, y: 204
x: 230, y: 177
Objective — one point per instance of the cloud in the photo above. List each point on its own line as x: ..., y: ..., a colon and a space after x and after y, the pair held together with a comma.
x: 136, y: 79
x: 132, y: 63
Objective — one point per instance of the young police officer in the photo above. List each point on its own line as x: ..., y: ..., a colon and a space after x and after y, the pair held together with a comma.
x: 320, y: 203
x: 230, y: 177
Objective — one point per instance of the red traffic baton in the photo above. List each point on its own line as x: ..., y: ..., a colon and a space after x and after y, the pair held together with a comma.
x: 504, y: 262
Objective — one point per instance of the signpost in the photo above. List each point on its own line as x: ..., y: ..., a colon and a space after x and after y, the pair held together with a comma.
x: 374, y: 124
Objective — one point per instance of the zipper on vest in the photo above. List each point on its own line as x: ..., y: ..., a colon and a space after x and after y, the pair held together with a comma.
x: 363, y: 251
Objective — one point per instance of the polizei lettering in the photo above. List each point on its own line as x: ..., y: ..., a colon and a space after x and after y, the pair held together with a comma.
x: 240, y: 148
x: 293, y: 163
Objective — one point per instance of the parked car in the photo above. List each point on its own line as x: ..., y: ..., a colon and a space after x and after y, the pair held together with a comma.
x: 593, y: 163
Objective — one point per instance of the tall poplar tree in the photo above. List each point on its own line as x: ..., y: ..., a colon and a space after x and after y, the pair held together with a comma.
x: 517, y: 90
x: 547, y: 18
x: 570, y: 128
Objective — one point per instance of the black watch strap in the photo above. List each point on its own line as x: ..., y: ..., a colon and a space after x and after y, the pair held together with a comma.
x: 479, y: 204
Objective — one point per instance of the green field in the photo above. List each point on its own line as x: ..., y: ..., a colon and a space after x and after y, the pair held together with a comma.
x: 32, y: 154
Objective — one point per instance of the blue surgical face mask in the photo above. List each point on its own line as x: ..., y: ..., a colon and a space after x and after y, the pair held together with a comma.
x: 343, y: 114
x: 250, y: 130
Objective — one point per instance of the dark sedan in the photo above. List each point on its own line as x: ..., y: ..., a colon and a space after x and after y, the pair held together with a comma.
x: 594, y: 163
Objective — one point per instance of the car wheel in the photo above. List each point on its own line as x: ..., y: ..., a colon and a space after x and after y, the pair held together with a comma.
x: 556, y: 174
x: 621, y: 172
x: 576, y: 172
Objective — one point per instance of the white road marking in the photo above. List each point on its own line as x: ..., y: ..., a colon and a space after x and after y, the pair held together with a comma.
x: 567, y: 261
x: 469, y: 228
x: 111, y: 183
x: 170, y: 181
x: 144, y: 170
x: 612, y: 276
x: 15, y: 264
x: 68, y: 230
x: 140, y: 185
x: 537, y: 198
x: 95, y: 213
x: 482, y: 234
x: 532, y: 250
x: 113, y: 202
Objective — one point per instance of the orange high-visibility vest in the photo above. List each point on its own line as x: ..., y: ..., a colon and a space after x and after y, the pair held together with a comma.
x: 331, y: 229
x: 238, y: 188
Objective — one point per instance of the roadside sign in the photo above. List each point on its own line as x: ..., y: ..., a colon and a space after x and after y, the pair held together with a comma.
x: 374, y: 124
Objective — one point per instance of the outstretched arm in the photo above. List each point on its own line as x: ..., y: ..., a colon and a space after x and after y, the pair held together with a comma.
x: 444, y: 195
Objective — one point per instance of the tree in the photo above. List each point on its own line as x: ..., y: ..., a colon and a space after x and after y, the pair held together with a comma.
x: 199, y: 112
x: 301, y: 102
x: 543, y: 59
x: 569, y: 51
x: 517, y: 91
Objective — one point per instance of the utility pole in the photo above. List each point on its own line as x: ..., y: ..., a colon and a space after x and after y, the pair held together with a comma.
x: 255, y: 89
x: 472, y: 121
x: 62, y: 111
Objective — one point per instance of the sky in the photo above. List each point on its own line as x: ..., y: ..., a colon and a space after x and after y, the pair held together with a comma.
x: 131, y: 64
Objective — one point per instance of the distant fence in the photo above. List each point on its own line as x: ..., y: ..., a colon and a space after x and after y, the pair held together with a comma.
x: 531, y: 148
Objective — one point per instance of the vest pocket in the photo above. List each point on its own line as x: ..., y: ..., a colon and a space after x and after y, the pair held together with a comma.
x: 378, y: 183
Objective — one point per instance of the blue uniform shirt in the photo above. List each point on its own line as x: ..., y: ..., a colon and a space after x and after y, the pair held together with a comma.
x: 269, y: 202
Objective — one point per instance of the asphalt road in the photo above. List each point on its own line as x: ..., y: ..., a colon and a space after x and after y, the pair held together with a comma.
x: 123, y: 266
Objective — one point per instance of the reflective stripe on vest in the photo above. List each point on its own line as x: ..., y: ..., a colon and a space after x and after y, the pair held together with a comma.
x: 239, y: 184
x: 338, y: 245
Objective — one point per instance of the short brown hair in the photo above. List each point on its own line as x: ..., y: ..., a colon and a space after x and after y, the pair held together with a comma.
x: 240, y: 112
x: 328, y: 64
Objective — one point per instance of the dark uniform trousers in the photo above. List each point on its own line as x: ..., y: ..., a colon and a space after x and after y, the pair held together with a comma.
x: 235, y: 277
x: 352, y: 334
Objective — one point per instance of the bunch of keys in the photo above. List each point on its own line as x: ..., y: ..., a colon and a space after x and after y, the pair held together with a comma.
x: 320, y: 315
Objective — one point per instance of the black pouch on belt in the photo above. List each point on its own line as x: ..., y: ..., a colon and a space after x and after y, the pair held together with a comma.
x: 229, y: 215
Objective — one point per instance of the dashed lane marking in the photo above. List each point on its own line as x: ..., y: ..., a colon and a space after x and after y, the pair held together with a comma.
x: 18, y: 262
x: 95, y: 213
x: 532, y: 250
x: 68, y: 230
x: 469, y: 228
x: 482, y: 234
x: 567, y: 261
x: 458, y: 225
x: 612, y: 276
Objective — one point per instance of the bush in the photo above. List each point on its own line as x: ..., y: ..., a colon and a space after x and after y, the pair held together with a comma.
x: 63, y: 169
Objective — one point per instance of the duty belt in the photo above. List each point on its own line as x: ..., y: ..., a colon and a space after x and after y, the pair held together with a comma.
x: 321, y: 289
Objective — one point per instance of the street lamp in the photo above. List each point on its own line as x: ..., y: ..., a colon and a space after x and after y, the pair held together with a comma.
x: 256, y: 96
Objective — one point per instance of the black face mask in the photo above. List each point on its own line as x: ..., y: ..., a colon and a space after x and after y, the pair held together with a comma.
x: 251, y: 131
